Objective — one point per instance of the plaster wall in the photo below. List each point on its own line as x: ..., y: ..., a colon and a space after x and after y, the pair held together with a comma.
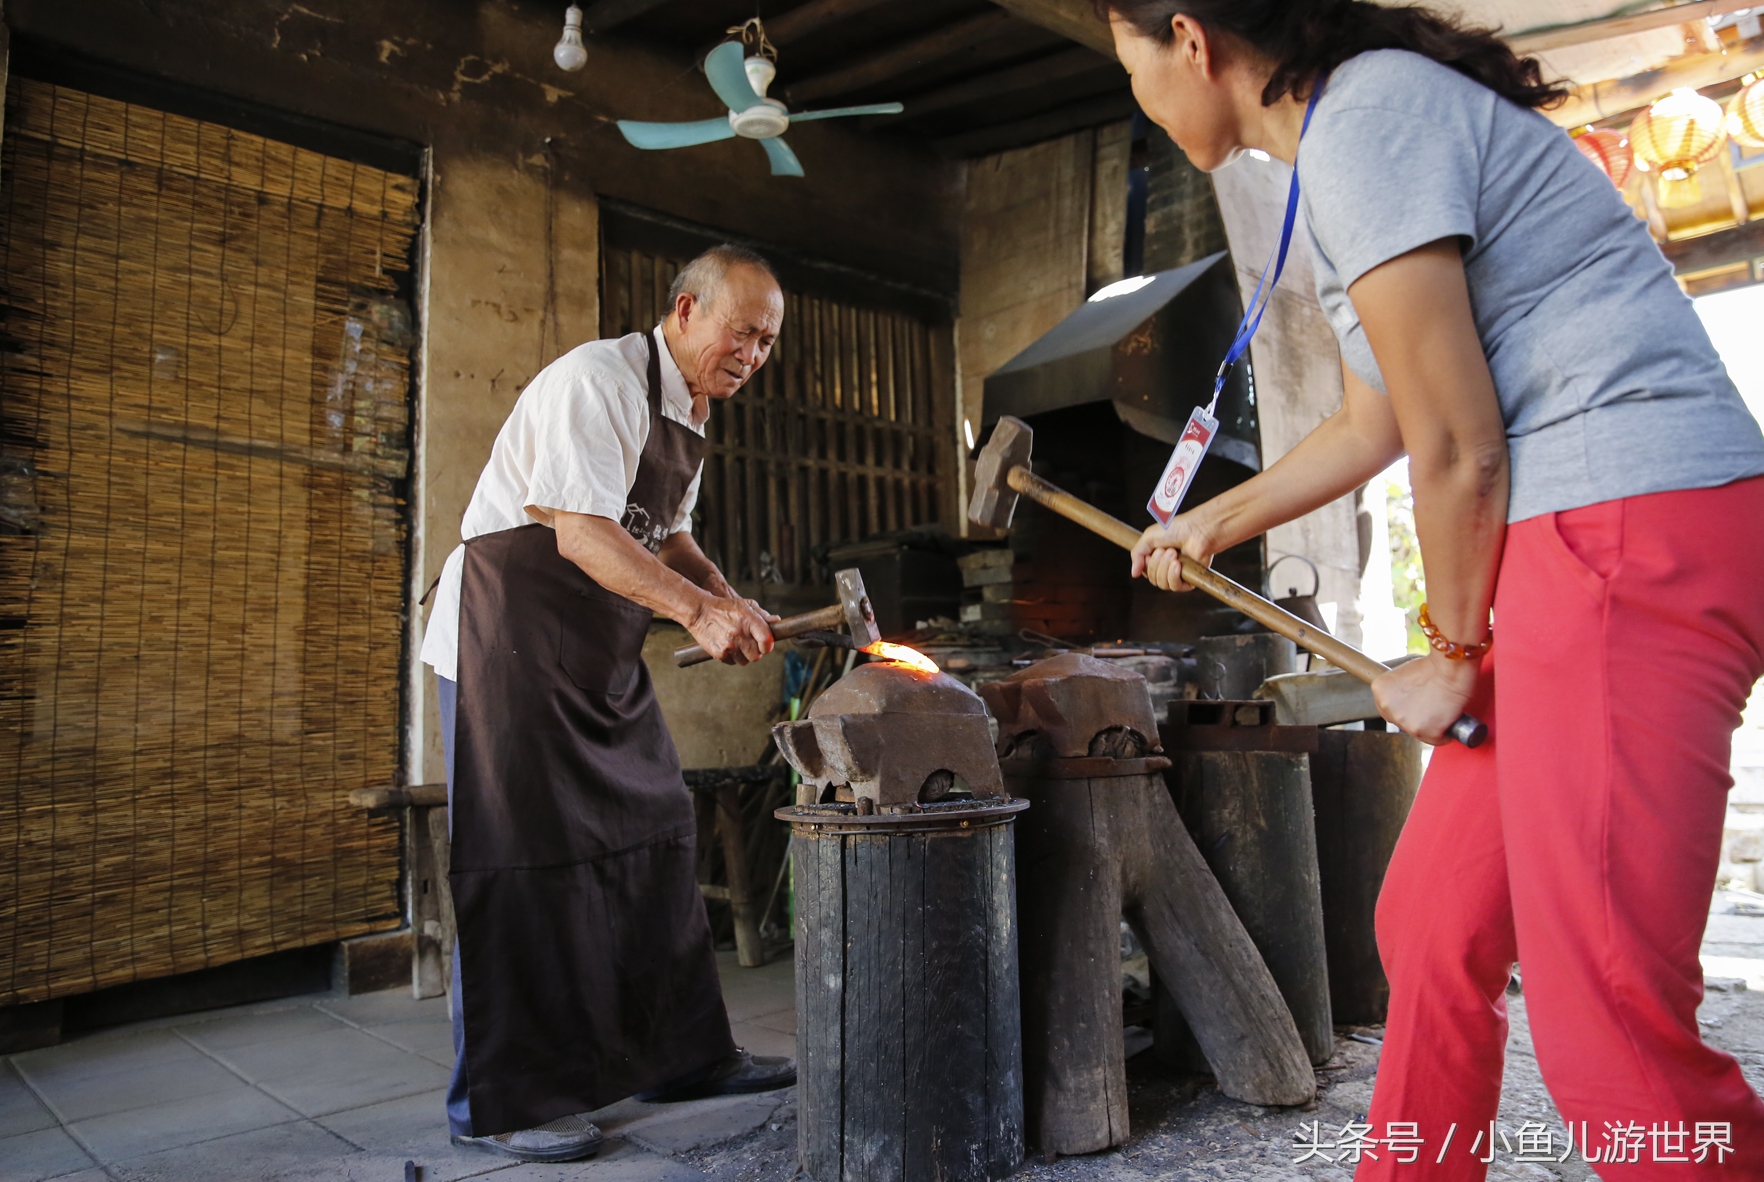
x: 1298, y: 383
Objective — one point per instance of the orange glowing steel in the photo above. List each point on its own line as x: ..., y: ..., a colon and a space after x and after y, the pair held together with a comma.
x: 901, y: 654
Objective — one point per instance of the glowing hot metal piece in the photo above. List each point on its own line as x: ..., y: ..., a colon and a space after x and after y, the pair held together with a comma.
x: 901, y: 654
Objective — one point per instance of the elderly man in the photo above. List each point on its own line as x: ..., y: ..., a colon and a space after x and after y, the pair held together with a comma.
x: 585, y: 971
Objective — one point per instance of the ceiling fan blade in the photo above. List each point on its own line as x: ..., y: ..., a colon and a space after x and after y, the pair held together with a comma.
x: 842, y: 112
x: 676, y: 135
x: 727, y: 77
x: 784, y: 161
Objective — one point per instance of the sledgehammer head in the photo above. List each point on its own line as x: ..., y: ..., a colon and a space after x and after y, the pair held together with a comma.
x: 859, y: 616
x: 994, y: 500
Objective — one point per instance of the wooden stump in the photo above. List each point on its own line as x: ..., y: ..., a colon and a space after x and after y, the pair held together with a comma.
x: 1093, y: 850
x: 1362, y: 783
x: 909, y: 1052
x: 1250, y: 815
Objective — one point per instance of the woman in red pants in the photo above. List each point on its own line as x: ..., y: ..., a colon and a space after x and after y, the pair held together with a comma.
x: 1583, y: 467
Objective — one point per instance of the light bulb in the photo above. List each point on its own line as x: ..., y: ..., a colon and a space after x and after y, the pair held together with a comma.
x: 569, y: 53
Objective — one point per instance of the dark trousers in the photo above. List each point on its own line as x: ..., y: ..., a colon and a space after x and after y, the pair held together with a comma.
x: 459, y: 1106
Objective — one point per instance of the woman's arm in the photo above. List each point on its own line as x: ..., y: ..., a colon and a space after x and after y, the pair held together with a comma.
x: 1347, y: 449
x: 1416, y: 313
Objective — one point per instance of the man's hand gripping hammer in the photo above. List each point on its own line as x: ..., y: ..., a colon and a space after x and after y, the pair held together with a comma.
x: 853, y: 610
x: 1003, y: 472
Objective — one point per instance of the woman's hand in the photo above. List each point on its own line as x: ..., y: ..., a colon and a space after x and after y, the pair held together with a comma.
x: 1158, y: 553
x: 1423, y: 698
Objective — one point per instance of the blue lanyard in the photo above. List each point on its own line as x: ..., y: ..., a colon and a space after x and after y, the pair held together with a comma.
x: 1258, y: 305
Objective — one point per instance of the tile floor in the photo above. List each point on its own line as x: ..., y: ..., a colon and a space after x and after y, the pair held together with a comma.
x: 327, y: 1087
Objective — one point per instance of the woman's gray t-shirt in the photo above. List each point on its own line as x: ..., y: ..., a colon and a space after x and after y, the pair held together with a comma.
x: 1608, y: 383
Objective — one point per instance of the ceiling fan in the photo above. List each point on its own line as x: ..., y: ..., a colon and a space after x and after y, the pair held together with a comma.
x: 741, y: 84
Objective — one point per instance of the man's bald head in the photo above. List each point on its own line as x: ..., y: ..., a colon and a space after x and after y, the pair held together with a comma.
x: 725, y: 311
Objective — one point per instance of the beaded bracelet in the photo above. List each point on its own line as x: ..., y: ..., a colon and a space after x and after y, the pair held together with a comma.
x: 1451, y: 649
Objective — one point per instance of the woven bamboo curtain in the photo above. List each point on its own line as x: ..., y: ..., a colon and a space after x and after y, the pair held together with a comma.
x: 833, y: 441
x: 204, y: 403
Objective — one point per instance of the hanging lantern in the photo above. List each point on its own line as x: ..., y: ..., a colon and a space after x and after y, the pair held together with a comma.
x: 1610, y: 152
x: 1745, y: 115
x: 1674, y: 138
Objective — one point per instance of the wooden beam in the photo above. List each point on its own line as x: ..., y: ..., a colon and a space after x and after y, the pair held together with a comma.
x: 1064, y: 63
x: 1528, y: 41
x: 890, y: 63
x: 1022, y: 132
x: 808, y: 18
x: 1742, y: 244
x: 1589, y: 104
x: 1074, y: 20
x: 602, y: 15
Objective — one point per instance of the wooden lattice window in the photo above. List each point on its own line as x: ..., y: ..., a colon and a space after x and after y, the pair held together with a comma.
x: 839, y: 437
x: 204, y: 408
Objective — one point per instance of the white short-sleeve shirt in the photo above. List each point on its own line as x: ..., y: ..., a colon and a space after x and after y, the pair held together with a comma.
x: 571, y: 444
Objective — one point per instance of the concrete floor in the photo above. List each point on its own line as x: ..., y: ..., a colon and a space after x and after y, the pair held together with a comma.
x: 333, y: 1088
x: 329, y: 1088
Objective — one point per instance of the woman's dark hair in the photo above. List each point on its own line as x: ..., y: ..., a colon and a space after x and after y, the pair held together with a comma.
x: 1303, y: 38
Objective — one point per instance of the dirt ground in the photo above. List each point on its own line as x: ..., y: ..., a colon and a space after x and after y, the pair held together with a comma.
x: 1186, y: 1131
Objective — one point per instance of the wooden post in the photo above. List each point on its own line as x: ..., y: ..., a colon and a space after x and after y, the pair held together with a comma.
x: 1362, y: 783
x: 431, y: 903
x: 1092, y: 850
x: 909, y: 1052
x: 1250, y: 814
x: 749, y: 950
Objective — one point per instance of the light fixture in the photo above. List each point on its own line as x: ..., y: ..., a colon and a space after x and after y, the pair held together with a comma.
x: 1610, y: 152
x: 1120, y: 287
x: 569, y: 52
x: 1745, y: 115
x: 1674, y: 138
x: 968, y: 432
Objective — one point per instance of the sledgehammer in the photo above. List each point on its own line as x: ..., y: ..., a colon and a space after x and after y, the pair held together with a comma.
x: 1003, y: 472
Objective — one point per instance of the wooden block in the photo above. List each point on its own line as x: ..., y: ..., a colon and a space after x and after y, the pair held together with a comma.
x: 368, y: 964
x: 29, y: 1026
x: 985, y: 560
x: 986, y: 576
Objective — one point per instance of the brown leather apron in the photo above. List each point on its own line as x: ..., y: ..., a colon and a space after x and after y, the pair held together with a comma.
x: 587, y: 969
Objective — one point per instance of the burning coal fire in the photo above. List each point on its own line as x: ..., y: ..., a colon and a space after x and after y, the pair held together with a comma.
x: 900, y: 654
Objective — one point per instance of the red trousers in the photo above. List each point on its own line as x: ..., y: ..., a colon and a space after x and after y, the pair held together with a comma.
x: 1582, y: 841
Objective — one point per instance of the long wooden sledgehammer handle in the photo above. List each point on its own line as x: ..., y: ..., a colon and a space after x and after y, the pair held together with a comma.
x: 1467, y: 730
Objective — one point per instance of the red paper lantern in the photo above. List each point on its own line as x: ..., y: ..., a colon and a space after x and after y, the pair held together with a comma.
x: 1610, y: 152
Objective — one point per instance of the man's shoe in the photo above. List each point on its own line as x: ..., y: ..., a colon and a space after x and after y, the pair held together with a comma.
x: 568, y: 1138
x: 740, y: 1072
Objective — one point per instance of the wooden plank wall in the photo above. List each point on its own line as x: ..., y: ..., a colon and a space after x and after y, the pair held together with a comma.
x: 838, y: 437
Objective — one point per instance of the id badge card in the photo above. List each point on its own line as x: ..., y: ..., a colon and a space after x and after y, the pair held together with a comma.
x: 1179, y: 473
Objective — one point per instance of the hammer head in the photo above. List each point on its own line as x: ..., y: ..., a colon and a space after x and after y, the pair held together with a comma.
x: 994, y: 500
x: 859, y: 617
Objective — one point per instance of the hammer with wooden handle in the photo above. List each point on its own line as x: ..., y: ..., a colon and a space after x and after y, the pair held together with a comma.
x: 1003, y: 472
x: 853, y: 610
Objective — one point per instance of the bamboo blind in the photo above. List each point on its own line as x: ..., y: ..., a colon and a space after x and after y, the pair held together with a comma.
x: 204, y: 405
x: 832, y: 441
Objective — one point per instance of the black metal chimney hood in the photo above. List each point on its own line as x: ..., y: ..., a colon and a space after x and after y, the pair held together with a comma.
x: 1151, y: 350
